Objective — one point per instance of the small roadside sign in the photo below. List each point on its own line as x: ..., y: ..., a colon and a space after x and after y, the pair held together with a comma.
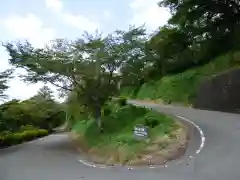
x: 141, y: 131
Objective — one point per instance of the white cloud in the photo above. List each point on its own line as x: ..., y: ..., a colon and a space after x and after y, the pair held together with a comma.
x: 55, y: 5
x: 3, y: 59
x: 20, y: 90
x: 148, y: 12
x: 79, y: 21
x: 28, y: 27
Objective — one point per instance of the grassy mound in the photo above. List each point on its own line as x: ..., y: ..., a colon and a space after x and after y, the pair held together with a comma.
x: 117, y: 143
x: 182, y: 87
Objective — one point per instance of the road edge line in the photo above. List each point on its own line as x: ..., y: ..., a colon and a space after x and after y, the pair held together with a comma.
x: 203, y: 137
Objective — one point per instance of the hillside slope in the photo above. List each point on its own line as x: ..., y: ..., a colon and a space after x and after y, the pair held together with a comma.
x: 182, y: 88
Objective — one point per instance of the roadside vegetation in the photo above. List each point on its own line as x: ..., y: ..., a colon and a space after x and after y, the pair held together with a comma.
x: 182, y: 87
x: 26, y: 120
x: 199, y: 41
x: 117, y: 144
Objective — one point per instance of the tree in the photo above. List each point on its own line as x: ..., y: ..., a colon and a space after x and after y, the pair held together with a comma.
x: 4, y: 77
x: 87, y: 66
x: 34, y: 112
x: 9, y: 116
x: 212, y: 22
x: 135, y: 64
x: 204, y: 16
x: 92, y: 67
x: 46, y: 93
x: 169, y: 48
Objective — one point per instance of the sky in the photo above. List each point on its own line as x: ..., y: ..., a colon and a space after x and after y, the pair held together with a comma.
x: 40, y: 21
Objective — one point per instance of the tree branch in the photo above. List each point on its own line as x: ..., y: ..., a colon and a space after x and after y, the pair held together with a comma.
x: 65, y: 88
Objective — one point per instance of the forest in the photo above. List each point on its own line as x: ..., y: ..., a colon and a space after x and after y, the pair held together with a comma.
x: 200, y: 39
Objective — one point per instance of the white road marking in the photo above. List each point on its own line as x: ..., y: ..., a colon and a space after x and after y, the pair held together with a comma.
x: 87, y: 164
x: 203, y: 138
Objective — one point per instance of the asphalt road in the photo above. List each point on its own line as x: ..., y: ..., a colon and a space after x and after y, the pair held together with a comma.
x: 54, y: 158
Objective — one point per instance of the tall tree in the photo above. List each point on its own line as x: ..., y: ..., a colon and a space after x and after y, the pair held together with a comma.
x: 35, y: 112
x: 169, y: 47
x: 215, y: 20
x: 88, y: 66
x: 136, y: 63
x: 46, y: 93
x: 4, y: 77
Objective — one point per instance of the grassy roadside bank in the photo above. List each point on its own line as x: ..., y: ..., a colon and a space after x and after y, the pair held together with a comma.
x: 117, y: 144
x: 181, y: 88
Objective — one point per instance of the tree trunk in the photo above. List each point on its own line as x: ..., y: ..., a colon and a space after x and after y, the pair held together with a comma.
x: 98, y: 118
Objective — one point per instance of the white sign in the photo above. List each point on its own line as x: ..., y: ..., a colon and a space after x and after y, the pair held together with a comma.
x: 141, y: 131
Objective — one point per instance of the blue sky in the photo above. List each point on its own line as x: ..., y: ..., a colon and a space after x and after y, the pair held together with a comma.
x: 40, y: 21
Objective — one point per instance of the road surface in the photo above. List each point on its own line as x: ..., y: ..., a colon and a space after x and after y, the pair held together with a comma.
x: 54, y: 158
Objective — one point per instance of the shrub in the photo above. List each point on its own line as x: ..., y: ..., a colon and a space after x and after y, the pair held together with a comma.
x: 17, y: 138
x: 32, y: 134
x: 122, y: 101
x: 11, y: 139
x: 26, y: 136
x: 151, y: 122
x: 42, y: 132
x: 29, y: 135
x: 106, y: 111
x: 5, y: 141
x: 3, y: 133
x: 1, y: 140
x: 27, y: 128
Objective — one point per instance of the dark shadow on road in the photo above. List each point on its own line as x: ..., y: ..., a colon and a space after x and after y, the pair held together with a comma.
x: 53, y: 143
x: 9, y: 150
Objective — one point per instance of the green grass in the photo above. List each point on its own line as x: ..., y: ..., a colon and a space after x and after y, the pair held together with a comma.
x: 182, y: 87
x: 129, y: 91
x: 118, y: 129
